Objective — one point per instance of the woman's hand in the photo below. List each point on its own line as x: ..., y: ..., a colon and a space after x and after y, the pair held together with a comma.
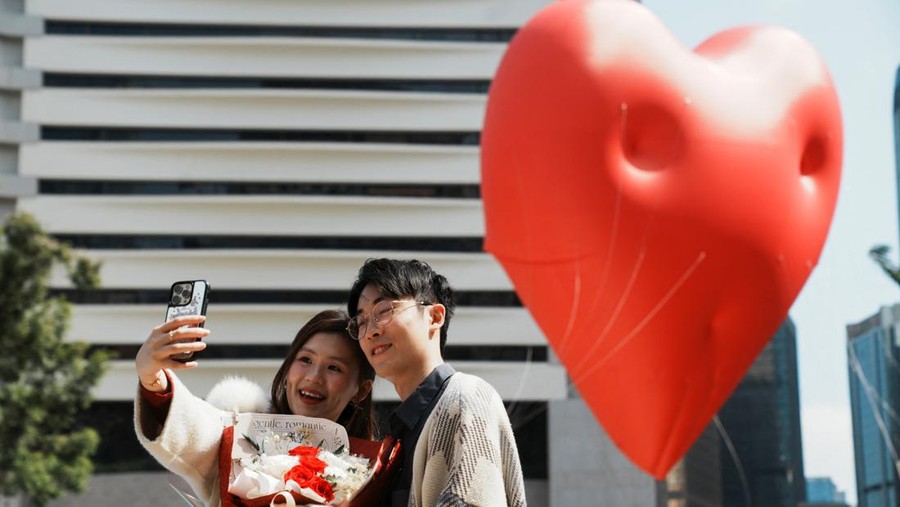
x: 166, y: 340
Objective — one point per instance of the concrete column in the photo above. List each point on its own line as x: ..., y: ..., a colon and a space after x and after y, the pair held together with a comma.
x: 586, y: 468
x: 15, y: 27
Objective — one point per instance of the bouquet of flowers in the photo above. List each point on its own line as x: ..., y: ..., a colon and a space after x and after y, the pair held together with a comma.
x: 316, y: 474
x: 294, y: 458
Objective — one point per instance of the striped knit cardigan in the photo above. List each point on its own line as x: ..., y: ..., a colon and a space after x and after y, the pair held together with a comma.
x: 466, y: 454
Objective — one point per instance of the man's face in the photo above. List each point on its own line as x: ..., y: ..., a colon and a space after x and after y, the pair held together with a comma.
x: 399, y: 346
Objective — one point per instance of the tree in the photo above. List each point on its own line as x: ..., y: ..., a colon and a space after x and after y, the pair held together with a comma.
x: 45, y: 381
x: 879, y: 255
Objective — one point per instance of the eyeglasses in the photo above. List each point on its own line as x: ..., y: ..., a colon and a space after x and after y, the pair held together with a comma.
x: 382, y: 314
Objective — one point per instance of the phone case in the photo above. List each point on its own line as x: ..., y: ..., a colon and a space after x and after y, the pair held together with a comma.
x: 188, y: 297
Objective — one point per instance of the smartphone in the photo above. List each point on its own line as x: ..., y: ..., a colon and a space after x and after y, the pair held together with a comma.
x: 187, y: 297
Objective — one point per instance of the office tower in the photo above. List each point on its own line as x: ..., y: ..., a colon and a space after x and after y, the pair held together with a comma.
x: 762, y: 421
x: 897, y: 130
x: 874, y: 400
x: 874, y: 374
x: 696, y: 480
x: 823, y: 490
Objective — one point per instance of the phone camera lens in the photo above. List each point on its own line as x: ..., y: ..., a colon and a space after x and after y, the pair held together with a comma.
x: 181, y: 294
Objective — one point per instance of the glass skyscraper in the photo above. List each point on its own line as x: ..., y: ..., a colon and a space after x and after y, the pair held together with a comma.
x: 897, y: 130
x: 874, y: 399
x: 823, y: 490
x: 762, y: 420
x: 872, y: 355
x: 695, y: 480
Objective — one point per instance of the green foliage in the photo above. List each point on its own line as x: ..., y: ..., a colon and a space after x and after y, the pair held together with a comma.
x: 45, y: 381
x: 879, y: 255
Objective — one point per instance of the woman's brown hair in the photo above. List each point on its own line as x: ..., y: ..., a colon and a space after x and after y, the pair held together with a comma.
x: 358, y: 418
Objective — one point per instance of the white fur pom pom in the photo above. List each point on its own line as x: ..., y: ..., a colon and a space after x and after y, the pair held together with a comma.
x: 238, y: 394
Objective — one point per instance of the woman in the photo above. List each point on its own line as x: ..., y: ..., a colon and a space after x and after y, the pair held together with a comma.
x: 324, y: 374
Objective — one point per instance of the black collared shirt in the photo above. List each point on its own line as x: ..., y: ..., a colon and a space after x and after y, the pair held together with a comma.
x: 407, y: 422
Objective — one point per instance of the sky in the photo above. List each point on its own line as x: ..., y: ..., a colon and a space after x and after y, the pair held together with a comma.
x: 860, y: 43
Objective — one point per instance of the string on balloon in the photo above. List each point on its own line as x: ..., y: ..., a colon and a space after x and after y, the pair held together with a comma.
x: 521, y: 386
x: 643, y: 323
x: 607, y: 267
x: 745, y: 485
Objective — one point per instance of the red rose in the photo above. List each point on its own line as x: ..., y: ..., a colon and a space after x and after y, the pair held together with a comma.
x: 313, y: 463
x: 300, y: 474
x: 307, y: 457
x: 305, y: 477
x: 304, y: 450
x: 323, y: 488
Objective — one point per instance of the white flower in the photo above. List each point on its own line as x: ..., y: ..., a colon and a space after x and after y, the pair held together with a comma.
x: 347, y: 473
x: 276, y: 465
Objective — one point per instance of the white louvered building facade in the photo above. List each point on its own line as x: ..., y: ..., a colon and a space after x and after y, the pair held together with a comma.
x: 269, y: 147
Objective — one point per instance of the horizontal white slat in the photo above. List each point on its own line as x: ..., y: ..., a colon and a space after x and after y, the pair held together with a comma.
x: 514, y: 381
x: 251, y: 161
x: 264, y: 57
x: 366, y: 13
x: 277, y: 269
x: 254, y: 109
x: 257, y: 216
x: 278, y: 324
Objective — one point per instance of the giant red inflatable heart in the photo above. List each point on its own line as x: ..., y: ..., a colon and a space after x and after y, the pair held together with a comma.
x: 657, y: 209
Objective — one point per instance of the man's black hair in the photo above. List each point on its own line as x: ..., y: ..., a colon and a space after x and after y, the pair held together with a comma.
x: 398, y: 279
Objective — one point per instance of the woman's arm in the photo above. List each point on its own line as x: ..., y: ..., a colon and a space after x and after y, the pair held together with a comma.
x: 181, y: 431
x: 155, y: 407
x: 187, y: 441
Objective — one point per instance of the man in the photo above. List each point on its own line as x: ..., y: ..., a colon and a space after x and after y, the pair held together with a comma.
x: 458, y: 446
